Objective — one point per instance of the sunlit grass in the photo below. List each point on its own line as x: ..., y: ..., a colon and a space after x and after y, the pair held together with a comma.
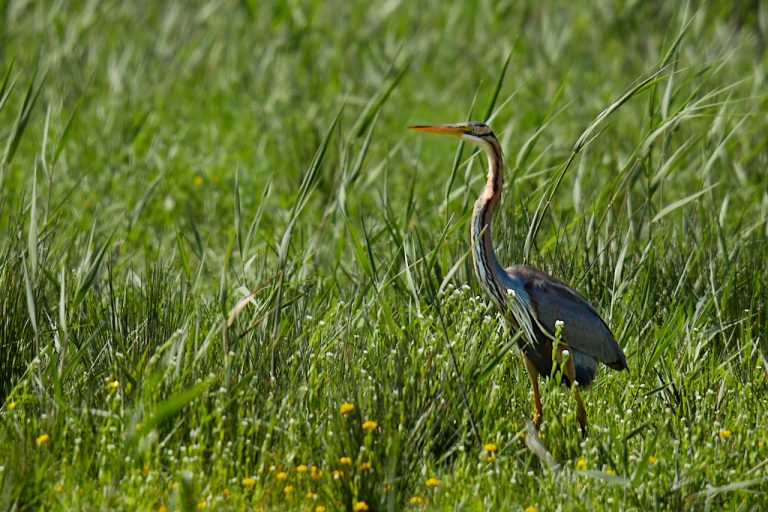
x: 231, y: 278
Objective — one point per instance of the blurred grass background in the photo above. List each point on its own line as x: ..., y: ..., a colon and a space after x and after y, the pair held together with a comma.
x: 216, y: 230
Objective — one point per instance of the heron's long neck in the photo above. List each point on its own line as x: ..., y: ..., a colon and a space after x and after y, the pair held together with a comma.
x: 487, y: 267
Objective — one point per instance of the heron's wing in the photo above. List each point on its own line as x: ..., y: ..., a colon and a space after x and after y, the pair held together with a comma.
x: 583, y: 329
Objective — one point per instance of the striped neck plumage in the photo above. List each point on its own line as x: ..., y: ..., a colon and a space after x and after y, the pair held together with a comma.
x: 487, y: 267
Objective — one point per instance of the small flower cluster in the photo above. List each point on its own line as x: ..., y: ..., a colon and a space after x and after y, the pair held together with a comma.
x: 490, y: 449
x: 431, y: 483
x: 290, y: 486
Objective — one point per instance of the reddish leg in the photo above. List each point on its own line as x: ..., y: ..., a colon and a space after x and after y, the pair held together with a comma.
x: 581, y: 412
x: 534, y: 373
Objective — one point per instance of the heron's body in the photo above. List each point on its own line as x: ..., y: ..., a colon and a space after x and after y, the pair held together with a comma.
x: 553, y: 300
x: 531, y: 299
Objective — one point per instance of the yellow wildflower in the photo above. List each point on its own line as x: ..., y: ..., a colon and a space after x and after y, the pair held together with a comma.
x: 432, y: 482
x: 162, y: 508
x: 760, y: 443
x: 490, y: 458
x: 360, y: 506
x: 370, y: 425
x: 319, y: 508
x: 202, y: 505
x: 58, y: 489
x: 11, y: 406
x: 315, y: 473
x: 490, y: 447
x: 652, y: 459
x: 345, y: 461
x: 337, y: 474
x: 415, y: 500
x: 114, y: 385
x: 311, y: 496
x: 581, y: 463
x: 366, y: 466
x: 249, y: 482
x: 198, y: 180
x: 346, y: 408
x: 288, y: 489
x: 531, y: 509
x: 282, y: 475
x: 610, y: 471
x: 226, y: 491
x: 301, y: 468
x: 42, y: 439
x: 725, y: 434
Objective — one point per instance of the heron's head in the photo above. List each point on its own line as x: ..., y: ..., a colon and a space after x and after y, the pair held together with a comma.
x: 474, y: 132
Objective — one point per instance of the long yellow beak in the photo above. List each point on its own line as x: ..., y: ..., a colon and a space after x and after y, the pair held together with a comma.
x: 457, y: 130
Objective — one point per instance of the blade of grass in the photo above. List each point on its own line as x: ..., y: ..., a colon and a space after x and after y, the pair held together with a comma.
x: 89, y: 271
x: 25, y: 113
x: 32, y: 236
x: 66, y: 132
x: 7, y: 86
x: 680, y: 203
x: 377, y: 101
x: 497, y: 89
x: 308, y: 184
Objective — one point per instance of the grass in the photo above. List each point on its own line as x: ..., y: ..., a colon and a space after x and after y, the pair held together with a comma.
x: 216, y: 231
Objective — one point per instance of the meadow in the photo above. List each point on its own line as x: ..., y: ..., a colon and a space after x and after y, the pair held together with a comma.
x: 231, y: 278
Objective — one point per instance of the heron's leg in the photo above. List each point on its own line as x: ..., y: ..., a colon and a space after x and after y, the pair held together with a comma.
x: 534, y: 373
x: 581, y: 411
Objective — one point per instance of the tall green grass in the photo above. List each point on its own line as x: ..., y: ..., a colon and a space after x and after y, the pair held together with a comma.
x: 216, y: 231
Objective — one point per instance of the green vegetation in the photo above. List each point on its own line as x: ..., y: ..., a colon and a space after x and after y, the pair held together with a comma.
x: 215, y: 231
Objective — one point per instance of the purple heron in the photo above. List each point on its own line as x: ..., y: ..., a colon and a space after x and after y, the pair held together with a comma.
x: 545, y: 308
